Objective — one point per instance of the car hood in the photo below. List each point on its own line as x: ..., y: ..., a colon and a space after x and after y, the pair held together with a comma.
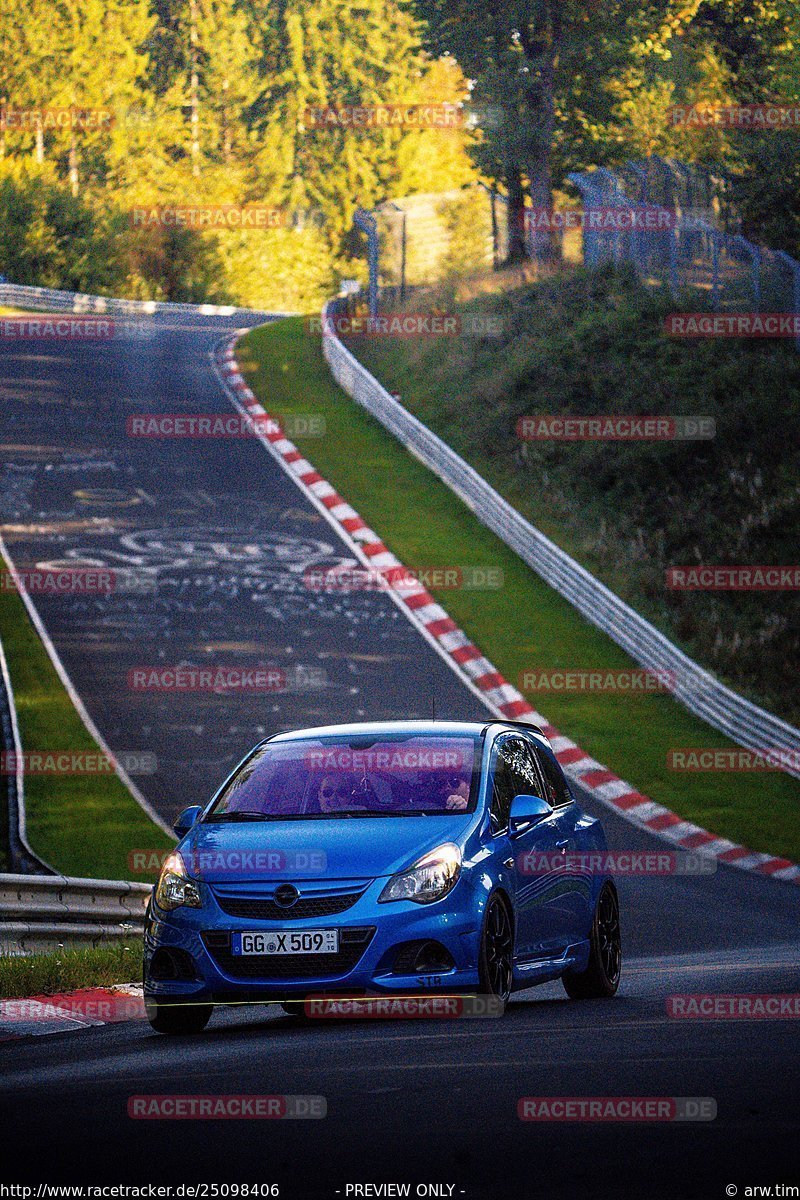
x: 344, y: 848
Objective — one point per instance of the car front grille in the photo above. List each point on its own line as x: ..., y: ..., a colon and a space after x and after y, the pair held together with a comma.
x: 261, y: 909
x: 352, y: 944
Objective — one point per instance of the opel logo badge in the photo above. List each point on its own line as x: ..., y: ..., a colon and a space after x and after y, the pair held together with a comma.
x: 286, y: 895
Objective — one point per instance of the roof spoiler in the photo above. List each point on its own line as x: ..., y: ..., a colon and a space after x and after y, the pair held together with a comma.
x: 528, y: 725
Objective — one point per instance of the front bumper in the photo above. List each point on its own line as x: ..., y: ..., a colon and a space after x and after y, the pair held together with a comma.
x: 371, y: 938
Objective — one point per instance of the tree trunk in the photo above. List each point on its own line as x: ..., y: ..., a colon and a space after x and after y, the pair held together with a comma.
x: 73, y: 164
x: 227, y: 139
x: 194, y: 87
x: 517, y: 250
x: 545, y: 242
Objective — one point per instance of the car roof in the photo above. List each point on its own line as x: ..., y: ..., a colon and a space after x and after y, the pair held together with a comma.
x: 389, y: 728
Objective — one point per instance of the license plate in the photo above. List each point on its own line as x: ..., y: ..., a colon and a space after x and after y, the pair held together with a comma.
x: 286, y: 941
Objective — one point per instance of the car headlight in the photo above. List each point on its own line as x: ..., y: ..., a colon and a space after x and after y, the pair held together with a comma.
x: 429, y: 879
x: 175, y: 888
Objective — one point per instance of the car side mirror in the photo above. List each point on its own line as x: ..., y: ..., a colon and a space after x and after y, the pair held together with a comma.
x: 526, y: 811
x: 187, y: 819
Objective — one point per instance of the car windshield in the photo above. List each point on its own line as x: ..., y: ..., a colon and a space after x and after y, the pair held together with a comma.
x: 339, y: 777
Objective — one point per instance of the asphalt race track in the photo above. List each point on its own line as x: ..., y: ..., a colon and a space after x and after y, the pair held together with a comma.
x: 212, y: 551
x: 209, y: 542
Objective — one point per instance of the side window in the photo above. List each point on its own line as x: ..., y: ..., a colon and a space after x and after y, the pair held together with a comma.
x: 557, y: 792
x: 502, y: 793
x: 514, y: 775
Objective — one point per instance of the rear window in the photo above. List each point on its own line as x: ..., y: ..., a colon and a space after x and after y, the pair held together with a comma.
x: 337, y: 777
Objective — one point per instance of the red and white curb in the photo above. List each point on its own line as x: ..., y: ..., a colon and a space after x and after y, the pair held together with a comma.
x: 67, y: 1012
x: 466, y: 659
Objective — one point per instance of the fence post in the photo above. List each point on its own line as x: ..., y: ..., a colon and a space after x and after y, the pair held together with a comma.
x: 715, y: 240
x: 366, y: 222
x: 755, y: 254
x: 403, y: 243
x: 591, y: 200
x: 492, y: 194
x: 672, y: 234
x: 641, y: 174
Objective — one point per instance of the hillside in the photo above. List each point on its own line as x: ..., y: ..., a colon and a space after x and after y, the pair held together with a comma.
x: 590, y: 345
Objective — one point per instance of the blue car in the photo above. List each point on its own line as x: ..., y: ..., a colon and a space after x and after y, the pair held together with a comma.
x: 382, y: 859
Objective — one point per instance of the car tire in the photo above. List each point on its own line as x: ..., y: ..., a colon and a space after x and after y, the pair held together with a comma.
x: 496, y: 954
x: 601, y: 978
x: 178, y: 1018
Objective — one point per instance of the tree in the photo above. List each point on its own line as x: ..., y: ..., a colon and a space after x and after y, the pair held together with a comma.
x: 759, y: 43
x: 86, y: 57
x: 322, y: 57
x: 546, y: 82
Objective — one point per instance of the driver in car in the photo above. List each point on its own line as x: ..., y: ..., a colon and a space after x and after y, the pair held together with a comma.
x: 336, y: 793
x: 454, y: 791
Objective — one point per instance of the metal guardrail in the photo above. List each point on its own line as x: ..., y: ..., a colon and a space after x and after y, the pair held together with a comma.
x: 738, y: 718
x: 40, y: 912
x: 18, y: 295
x: 21, y: 856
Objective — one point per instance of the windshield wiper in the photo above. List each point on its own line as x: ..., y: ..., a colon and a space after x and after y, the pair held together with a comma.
x: 238, y: 816
x: 389, y: 812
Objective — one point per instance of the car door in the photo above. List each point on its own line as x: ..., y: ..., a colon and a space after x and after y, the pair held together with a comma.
x: 576, y: 883
x: 533, y: 856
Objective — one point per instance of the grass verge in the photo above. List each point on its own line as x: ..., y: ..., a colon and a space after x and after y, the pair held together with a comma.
x: 522, y: 625
x: 68, y: 970
x: 81, y: 824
